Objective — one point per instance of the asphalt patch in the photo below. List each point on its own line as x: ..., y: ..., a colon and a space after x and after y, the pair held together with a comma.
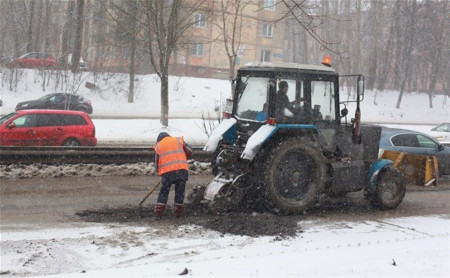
x: 236, y: 223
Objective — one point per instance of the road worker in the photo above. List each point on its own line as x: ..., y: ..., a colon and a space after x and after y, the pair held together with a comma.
x: 171, y: 163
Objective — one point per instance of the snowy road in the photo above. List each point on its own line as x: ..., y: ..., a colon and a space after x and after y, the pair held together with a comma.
x: 42, y: 234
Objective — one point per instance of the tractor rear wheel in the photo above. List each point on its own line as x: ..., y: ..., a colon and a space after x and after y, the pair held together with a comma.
x: 390, y: 189
x: 294, y: 176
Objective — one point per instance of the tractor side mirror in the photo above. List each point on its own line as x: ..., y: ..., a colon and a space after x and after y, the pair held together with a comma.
x: 360, y: 86
x: 344, y: 112
x: 227, y: 109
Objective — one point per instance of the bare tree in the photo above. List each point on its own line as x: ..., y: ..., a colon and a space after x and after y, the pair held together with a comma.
x: 408, y: 48
x: 165, y: 24
x: 231, y: 24
x: 30, y: 26
x: 386, y: 61
x: 133, y: 43
x: 316, y: 25
x: 67, y: 30
x: 78, y: 37
x: 126, y: 17
x: 376, y: 19
x: 357, y: 51
x: 438, y: 17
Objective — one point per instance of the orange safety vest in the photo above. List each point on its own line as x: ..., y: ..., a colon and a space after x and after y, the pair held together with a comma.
x: 171, y: 155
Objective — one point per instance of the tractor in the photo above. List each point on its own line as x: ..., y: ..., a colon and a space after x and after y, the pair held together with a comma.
x: 286, y: 161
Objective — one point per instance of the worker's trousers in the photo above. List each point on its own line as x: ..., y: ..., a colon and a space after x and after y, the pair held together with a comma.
x: 178, y: 178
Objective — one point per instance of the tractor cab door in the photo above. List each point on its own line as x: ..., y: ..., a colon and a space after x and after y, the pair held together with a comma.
x: 321, y: 105
x: 289, y: 101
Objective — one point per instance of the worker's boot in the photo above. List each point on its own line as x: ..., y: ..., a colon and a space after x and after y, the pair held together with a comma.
x: 178, y: 210
x: 158, y: 211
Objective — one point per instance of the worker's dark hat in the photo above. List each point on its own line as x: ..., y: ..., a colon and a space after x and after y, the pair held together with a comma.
x: 282, y: 85
x: 162, y: 135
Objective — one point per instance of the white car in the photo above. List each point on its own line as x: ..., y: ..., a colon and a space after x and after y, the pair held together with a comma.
x: 441, y: 133
x: 83, y: 65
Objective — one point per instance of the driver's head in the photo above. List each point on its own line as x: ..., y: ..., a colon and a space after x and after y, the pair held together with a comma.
x: 283, y: 86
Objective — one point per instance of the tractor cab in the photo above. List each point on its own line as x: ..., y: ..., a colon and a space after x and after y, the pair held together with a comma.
x: 287, y: 99
x: 310, y: 91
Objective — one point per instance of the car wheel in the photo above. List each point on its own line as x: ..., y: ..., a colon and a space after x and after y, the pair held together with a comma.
x: 71, y: 142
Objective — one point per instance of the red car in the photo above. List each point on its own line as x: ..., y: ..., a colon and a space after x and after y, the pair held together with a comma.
x: 36, y: 127
x: 34, y: 60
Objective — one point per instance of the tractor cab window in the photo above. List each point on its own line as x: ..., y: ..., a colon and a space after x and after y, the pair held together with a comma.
x: 288, y: 101
x: 252, y: 101
x: 322, y: 100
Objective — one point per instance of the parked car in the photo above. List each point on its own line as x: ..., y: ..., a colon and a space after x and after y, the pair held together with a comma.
x: 441, y: 133
x: 38, y: 127
x: 82, y: 66
x: 61, y: 101
x: 34, y: 60
x: 413, y: 142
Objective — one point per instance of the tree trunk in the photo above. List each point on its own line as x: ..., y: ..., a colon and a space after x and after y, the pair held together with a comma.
x: 408, y: 49
x: 386, y: 61
x: 79, y: 37
x: 30, y: 27
x: 348, y: 38
x: 65, y: 36
x: 164, y: 99
x: 357, y: 58
x: 38, y: 42
x: 375, y: 25
x: 438, y: 46
x: 133, y: 42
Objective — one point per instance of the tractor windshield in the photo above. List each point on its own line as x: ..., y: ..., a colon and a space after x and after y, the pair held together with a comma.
x: 252, y: 99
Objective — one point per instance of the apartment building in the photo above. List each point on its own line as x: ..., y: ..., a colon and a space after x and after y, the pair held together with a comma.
x: 259, y: 37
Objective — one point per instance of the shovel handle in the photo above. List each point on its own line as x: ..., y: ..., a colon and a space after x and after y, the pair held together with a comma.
x: 149, y: 193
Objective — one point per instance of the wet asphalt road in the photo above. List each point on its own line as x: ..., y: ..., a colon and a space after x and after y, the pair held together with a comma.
x: 57, y: 200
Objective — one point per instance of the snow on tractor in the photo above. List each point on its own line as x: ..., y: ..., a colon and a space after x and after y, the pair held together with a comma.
x: 283, y: 148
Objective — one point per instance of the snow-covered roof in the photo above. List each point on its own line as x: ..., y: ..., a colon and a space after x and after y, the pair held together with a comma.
x: 288, y: 66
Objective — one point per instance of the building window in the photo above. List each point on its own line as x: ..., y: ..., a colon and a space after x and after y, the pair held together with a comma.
x: 265, y: 55
x: 267, y: 30
x: 200, y: 20
x: 269, y: 5
x: 198, y: 49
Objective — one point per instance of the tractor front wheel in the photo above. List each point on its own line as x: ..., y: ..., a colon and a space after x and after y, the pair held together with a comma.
x: 390, y: 189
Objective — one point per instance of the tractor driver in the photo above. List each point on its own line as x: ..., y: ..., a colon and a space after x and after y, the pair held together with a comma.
x: 282, y: 101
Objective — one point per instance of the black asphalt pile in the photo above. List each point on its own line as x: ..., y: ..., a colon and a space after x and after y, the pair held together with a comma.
x: 235, y: 223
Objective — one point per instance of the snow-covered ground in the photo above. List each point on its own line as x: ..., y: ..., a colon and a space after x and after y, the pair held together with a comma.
x: 394, y: 247
x: 398, y: 247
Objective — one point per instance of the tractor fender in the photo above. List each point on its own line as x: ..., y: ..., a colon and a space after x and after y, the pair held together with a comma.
x: 263, y: 134
x: 374, y: 170
x: 222, y: 129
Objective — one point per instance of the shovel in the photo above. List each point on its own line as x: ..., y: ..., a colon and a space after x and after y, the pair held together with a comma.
x: 145, y: 198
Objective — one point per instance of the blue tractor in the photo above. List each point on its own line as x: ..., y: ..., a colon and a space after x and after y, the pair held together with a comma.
x: 283, y: 154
